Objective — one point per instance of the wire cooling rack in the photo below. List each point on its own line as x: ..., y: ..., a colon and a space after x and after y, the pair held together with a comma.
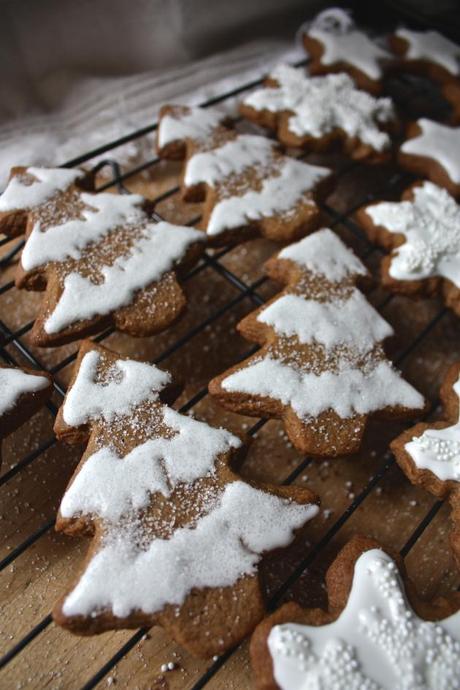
x: 408, y: 92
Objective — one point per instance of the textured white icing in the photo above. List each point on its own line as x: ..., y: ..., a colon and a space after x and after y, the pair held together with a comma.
x: 19, y: 195
x: 278, y: 195
x: 432, y: 46
x: 352, y: 321
x: 347, y: 392
x: 431, y: 227
x: 377, y: 643
x: 335, y: 29
x: 438, y: 450
x: 439, y: 142
x: 320, y: 105
x: 233, y: 157
x: 104, y: 213
x: 325, y: 254
x: 198, y: 123
x: 156, y: 252
x: 14, y: 383
x: 131, y: 382
x: 109, y: 485
x: 224, y: 545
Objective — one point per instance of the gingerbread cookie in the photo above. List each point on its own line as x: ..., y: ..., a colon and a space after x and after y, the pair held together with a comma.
x: 248, y: 185
x: 177, y: 536
x: 321, y: 368
x: 22, y: 393
x: 423, y: 232
x: 429, y: 453
x: 427, y: 52
x: 316, y: 112
x: 376, y: 635
x: 433, y: 151
x: 334, y: 44
x: 100, y: 258
x: 451, y: 92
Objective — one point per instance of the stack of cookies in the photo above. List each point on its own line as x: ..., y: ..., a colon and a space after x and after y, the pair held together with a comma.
x: 180, y: 535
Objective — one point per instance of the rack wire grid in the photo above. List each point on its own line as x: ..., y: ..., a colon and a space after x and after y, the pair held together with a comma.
x: 413, y: 96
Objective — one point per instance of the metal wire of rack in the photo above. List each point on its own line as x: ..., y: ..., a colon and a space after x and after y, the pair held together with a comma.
x: 12, y: 340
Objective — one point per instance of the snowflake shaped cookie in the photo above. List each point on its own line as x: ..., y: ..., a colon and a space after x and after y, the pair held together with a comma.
x: 376, y: 642
x: 315, y: 112
x: 429, y: 453
x: 423, y: 230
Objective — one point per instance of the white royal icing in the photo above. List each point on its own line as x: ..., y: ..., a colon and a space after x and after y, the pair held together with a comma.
x: 211, y: 167
x: 351, y: 321
x: 104, y: 213
x: 278, y: 195
x: 20, y: 195
x: 14, y: 383
x: 109, y: 485
x: 320, y: 105
x: 220, y: 548
x: 432, y: 46
x: 346, y: 320
x: 196, y: 123
x: 438, y: 450
x: 439, y: 142
x: 430, y: 224
x: 377, y: 643
x: 130, y: 383
x: 335, y: 29
x: 325, y: 254
x: 155, y: 253
x: 347, y: 392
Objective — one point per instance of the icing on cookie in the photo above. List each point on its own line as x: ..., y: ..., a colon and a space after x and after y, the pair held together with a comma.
x: 25, y: 194
x: 110, y: 486
x: 14, y: 383
x: 438, y: 450
x: 377, y: 643
x: 223, y: 545
x: 347, y: 392
x: 439, y: 142
x: 342, y: 42
x: 196, y: 123
x: 150, y: 257
x: 102, y: 214
x: 326, y: 255
x: 131, y: 382
x: 213, y: 166
x: 278, y: 195
x: 430, y: 224
x: 351, y: 321
x: 321, y: 105
x: 346, y: 371
x: 432, y: 46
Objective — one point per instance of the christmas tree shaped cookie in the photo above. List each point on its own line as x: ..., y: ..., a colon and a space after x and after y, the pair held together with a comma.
x: 22, y: 393
x: 429, y: 453
x: 321, y: 368
x: 100, y: 258
x: 376, y: 635
x: 423, y: 232
x: 335, y: 44
x: 177, y: 536
x: 249, y: 187
x: 317, y: 112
